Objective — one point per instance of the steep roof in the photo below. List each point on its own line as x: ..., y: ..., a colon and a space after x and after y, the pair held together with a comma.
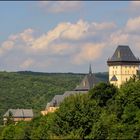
x: 55, y: 102
x: 88, y: 82
x: 20, y: 113
x: 57, y: 99
x: 123, y: 54
x: 114, y: 78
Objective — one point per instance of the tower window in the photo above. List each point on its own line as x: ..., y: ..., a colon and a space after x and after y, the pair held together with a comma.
x: 119, y: 55
x: 137, y: 72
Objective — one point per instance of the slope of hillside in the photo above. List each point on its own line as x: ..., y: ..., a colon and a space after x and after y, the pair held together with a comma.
x: 33, y: 89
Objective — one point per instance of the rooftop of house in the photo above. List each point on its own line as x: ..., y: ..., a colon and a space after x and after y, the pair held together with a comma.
x: 19, y: 113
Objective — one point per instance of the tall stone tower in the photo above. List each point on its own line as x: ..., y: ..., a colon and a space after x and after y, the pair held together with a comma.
x: 122, y: 65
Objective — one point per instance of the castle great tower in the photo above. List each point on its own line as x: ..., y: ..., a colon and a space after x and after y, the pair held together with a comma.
x: 122, y: 65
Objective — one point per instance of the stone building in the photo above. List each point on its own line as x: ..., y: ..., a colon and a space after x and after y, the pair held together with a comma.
x: 122, y: 65
x: 88, y: 82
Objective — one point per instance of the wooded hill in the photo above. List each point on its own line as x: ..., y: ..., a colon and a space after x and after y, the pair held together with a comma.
x: 26, y: 89
x: 106, y: 112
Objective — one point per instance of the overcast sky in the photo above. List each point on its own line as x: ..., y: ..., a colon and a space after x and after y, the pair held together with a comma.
x: 66, y: 36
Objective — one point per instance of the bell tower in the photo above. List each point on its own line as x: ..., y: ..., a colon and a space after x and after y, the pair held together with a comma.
x: 122, y: 65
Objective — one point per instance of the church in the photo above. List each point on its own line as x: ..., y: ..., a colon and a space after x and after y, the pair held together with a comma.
x: 122, y: 65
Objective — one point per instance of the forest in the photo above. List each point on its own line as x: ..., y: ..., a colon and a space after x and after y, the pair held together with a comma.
x: 105, y: 112
x: 27, y: 89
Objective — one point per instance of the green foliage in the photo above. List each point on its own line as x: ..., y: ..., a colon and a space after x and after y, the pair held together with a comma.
x: 103, y: 92
x: 105, y: 113
x: 75, y: 116
x: 8, y: 132
x: 21, y: 90
x: 33, y: 89
x: 10, y: 119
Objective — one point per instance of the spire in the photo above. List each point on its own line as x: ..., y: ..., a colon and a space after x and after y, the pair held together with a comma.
x: 90, y: 70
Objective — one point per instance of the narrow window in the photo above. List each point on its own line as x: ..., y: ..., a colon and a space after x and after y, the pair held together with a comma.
x: 137, y: 72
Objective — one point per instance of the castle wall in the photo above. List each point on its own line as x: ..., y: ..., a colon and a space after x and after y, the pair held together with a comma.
x: 122, y: 72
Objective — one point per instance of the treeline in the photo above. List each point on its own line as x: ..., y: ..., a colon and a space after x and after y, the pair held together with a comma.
x: 104, y: 113
x: 26, y: 89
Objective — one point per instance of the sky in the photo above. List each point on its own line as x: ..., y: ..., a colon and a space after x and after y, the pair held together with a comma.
x: 66, y: 36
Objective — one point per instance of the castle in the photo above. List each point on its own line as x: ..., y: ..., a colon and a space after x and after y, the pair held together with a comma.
x: 122, y: 66
x: 88, y: 82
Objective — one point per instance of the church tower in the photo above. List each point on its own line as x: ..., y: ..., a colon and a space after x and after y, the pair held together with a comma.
x: 88, y: 82
x: 122, y: 65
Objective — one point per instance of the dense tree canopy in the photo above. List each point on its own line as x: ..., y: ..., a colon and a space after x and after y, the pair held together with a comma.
x: 104, y: 113
x: 34, y: 89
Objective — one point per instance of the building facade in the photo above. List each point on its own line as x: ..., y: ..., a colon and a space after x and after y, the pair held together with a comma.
x: 122, y: 65
x: 88, y: 82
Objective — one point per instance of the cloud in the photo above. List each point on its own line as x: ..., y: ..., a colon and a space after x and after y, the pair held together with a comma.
x: 68, y: 32
x: 60, y: 6
x: 27, y: 63
x: 17, y: 41
x: 44, y: 40
x: 25, y: 36
x: 133, y: 25
x: 88, y: 52
x: 129, y: 33
x: 6, y: 46
x: 69, y: 44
